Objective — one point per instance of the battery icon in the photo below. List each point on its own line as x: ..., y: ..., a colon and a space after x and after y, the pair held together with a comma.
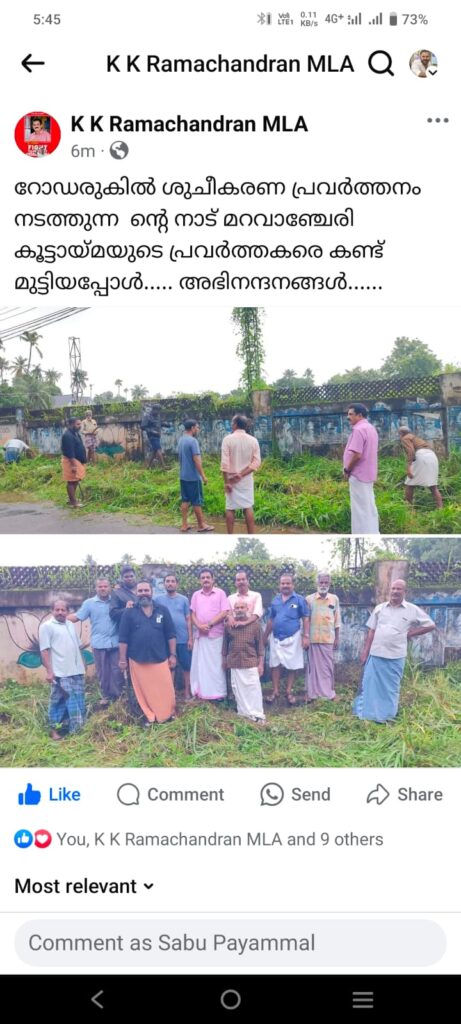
x: 393, y: 19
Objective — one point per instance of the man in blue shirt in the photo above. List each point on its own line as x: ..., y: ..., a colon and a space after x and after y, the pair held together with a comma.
x: 104, y: 641
x: 191, y: 476
x: 288, y: 629
x: 179, y: 609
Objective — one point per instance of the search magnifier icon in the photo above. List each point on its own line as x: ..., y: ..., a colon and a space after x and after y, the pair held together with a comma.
x: 380, y: 62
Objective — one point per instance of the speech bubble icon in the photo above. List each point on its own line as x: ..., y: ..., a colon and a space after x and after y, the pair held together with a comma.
x: 128, y: 794
x: 271, y: 794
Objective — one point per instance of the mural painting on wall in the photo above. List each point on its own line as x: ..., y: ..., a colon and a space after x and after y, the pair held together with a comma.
x: 262, y: 430
x: 22, y: 630
x: 454, y: 425
x: 46, y: 439
x: 353, y: 632
x: 426, y: 424
x: 111, y: 440
x: 295, y: 433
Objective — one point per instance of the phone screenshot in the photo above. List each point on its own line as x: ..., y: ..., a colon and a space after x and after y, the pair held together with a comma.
x: 230, y: 509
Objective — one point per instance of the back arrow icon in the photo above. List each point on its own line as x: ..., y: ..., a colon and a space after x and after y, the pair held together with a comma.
x: 94, y: 999
x: 28, y: 63
x: 380, y: 794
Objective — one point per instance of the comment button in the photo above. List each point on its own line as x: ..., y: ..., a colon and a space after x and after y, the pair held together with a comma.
x: 231, y: 943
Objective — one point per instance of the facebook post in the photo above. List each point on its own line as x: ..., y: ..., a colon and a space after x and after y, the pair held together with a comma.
x: 230, y: 509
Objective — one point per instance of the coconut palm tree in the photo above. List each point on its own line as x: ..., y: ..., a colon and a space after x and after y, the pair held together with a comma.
x: 32, y: 393
x: 139, y: 392
x: 4, y: 367
x: 118, y: 383
x: 32, y: 339
x: 79, y: 380
x: 19, y: 366
x: 52, y: 376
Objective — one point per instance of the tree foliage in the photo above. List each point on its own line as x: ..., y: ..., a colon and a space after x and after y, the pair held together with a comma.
x: 410, y: 357
x: 355, y: 374
x: 289, y: 379
x: 247, y: 321
x: 249, y: 547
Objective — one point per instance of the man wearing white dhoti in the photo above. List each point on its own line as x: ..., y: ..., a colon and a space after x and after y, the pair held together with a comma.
x: 422, y: 466
x: 360, y: 464
x: 288, y: 629
x: 240, y: 458
x: 243, y: 654
x: 209, y: 608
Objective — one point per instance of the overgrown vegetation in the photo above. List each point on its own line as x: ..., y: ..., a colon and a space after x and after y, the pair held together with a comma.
x: 426, y: 733
x: 306, y: 494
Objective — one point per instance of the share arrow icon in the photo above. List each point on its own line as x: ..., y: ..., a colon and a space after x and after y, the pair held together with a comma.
x: 380, y: 794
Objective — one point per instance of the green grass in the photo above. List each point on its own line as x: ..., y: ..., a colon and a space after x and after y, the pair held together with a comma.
x: 427, y: 732
x: 306, y: 493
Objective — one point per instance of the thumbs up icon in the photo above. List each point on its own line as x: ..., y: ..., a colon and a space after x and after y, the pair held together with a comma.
x: 31, y: 796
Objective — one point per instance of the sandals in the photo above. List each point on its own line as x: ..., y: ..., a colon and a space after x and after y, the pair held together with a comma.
x: 206, y: 529
x: 271, y: 698
x: 291, y: 699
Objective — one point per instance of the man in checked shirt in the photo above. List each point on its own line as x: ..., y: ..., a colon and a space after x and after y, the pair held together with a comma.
x: 243, y: 654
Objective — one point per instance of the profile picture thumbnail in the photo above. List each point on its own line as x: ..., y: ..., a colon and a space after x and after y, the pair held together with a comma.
x: 37, y: 134
x: 423, y: 64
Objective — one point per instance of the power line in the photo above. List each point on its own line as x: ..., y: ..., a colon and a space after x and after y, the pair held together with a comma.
x: 8, y: 333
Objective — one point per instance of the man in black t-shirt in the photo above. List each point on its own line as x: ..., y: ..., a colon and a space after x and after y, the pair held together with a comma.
x: 152, y: 424
x: 147, y: 641
x: 73, y: 459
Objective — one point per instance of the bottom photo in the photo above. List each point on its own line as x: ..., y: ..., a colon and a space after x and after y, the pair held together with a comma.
x: 288, y: 652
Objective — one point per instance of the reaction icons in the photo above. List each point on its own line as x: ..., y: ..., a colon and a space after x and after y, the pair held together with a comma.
x: 37, y: 134
x: 380, y: 794
x: 23, y: 839
x: 271, y: 794
x: 119, y: 150
x: 41, y: 838
x: 31, y: 796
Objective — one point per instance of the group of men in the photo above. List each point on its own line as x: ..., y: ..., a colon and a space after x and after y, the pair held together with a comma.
x: 214, y: 634
x: 241, y: 459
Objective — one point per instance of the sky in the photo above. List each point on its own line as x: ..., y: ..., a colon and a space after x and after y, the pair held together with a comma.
x: 192, y: 350
x: 72, y: 550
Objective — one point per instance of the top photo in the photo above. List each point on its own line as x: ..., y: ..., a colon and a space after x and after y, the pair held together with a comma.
x: 229, y: 420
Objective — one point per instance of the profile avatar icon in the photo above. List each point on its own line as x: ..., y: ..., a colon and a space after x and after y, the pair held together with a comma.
x: 423, y: 64
x: 37, y: 134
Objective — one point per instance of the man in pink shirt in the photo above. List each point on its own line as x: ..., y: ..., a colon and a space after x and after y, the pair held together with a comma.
x: 240, y: 458
x: 360, y: 463
x: 209, y: 608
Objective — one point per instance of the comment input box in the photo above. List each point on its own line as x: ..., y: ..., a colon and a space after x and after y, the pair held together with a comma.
x: 229, y: 943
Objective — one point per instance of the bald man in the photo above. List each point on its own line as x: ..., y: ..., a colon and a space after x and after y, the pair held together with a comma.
x: 390, y: 626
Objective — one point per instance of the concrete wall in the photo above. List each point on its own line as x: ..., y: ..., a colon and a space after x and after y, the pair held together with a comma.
x: 21, y: 614
x: 317, y: 429
x: 117, y: 440
x: 322, y: 429
x: 22, y: 611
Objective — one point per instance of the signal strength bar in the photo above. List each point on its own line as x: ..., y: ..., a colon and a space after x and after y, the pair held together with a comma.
x: 354, y: 20
x: 376, y: 21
